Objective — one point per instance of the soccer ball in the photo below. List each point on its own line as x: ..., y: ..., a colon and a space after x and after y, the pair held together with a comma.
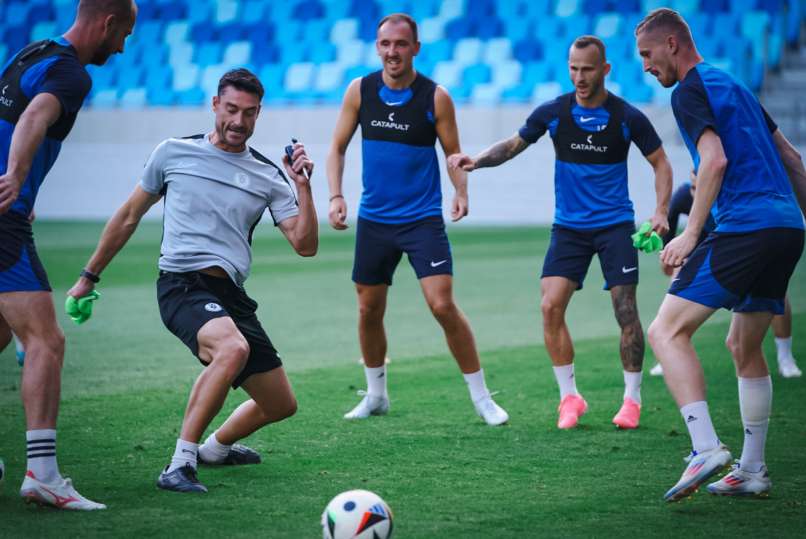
x: 357, y: 514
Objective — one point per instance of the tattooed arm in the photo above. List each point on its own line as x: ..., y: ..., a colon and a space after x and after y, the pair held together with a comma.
x: 498, y: 153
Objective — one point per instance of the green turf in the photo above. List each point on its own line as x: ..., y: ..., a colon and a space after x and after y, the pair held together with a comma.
x: 444, y: 473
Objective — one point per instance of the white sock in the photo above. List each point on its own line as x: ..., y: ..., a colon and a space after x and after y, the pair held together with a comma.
x: 784, y: 348
x: 700, y: 429
x: 41, y: 445
x: 376, y: 380
x: 565, y: 379
x: 632, y: 385
x: 755, y: 402
x: 212, y: 450
x: 185, y: 453
x: 475, y: 383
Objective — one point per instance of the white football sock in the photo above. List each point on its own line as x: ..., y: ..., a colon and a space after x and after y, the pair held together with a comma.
x: 632, y: 385
x: 700, y: 429
x: 475, y: 383
x: 41, y: 445
x: 784, y: 348
x: 755, y: 401
x: 185, y: 453
x: 376, y: 380
x: 565, y: 379
x: 212, y: 450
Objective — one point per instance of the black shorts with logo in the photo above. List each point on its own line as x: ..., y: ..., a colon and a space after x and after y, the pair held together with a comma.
x: 189, y: 300
x: 571, y: 250
x: 20, y: 267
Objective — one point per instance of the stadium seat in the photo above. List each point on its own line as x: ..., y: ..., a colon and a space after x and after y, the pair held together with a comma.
x: 299, y: 77
x: 448, y: 73
x: 431, y: 29
x: 133, y: 98
x: 467, y: 51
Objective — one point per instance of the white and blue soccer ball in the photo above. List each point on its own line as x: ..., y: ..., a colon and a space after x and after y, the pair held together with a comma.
x: 357, y: 514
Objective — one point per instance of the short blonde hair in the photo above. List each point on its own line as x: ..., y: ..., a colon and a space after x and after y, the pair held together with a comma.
x: 668, y: 20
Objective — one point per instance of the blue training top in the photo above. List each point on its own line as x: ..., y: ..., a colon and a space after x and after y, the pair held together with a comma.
x: 590, y: 175
x: 55, y: 69
x: 400, y: 167
x: 755, y: 192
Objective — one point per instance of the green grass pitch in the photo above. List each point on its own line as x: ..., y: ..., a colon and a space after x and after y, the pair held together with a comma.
x: 443, y: 472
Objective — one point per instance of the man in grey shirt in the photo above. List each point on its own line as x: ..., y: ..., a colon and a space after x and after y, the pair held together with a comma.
x: 216, y: 189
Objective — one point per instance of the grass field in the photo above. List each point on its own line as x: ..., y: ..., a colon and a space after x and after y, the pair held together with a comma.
x: 443, y: 472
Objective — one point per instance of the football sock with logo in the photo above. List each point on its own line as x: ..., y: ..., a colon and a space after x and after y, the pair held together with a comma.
x: 755, y: 401
x: 566, y: 380
x: 212, y: 450
x: 376, y: 380
x: 632, y: 385
x: 185, y: 453
x: 42, y: 454
x: 700, y: 429
x: 476, y: 385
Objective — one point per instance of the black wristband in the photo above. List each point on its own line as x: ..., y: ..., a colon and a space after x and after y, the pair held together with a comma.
x: 90, y: 275
x: 335, y: 197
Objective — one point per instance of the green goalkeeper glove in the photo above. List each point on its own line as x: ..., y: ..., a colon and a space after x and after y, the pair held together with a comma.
x: 80, y: 310
x: 646, y: 239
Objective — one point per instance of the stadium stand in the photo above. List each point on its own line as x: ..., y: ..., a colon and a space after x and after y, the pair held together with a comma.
x: 486, y: 52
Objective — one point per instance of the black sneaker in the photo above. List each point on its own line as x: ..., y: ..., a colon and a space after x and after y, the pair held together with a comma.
x: 181, y: 480
x: 238, y: 454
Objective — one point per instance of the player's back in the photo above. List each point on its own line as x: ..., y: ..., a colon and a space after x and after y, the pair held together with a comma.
x: 755, y: 191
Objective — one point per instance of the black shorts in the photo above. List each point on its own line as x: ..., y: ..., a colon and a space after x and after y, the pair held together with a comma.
x: 20, y: 267
x: 379, y: 247
x: 571, y: 250
x: 189, y: 300
x: 744, y: 272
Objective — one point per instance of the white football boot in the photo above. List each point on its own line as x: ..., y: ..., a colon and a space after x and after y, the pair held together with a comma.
x: 741, y: 483
x: 657, y: 370
x: 700, y: 467
x: 61, y: 494
x: 369, y: 405
x: 490, y: 412
x: 788, y: 368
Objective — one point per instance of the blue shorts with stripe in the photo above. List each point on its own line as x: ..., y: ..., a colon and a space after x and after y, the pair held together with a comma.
x: 743, y: 272
x: 20, y: 267
x: 380, y: 246
x: 571, y: 250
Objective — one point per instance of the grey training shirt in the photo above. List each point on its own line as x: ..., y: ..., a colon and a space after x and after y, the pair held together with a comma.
x: 213, y: 200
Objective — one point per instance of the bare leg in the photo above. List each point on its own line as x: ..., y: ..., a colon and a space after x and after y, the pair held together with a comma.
x: 670, y: 337
x: 33, y: 319
x: 438, y: 291
x: 632, y: 334
x: 272, y: 401
x: 371, y: 333
x: 225, y: 350
x: 782, y: 324
x: 744, y: 341
x: 5, y: 334
x: 556, y: 294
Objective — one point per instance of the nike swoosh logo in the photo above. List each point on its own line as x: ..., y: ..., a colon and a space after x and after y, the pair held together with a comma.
x: 584, y: 119
x: 628, y: 270
x: 435, y: 264
x: 394, y: 103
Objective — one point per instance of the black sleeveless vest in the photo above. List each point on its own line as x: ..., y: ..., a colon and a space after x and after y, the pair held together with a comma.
x: 573, y: 144
x: 405, y: 124
x: 13, y: 100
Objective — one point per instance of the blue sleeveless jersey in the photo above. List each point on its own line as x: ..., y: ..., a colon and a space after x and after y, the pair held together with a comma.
x: 400, y: 167
x: 755, y: 192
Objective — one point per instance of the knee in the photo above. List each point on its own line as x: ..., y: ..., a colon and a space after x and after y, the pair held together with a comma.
x: 233, y: 355
x: 49, y: 348
x: 289, y: 409
x: 370, y: 312
x: 733, y: 345
x: 657, y: 334
x: 443, y: 310
x: 553, y: 312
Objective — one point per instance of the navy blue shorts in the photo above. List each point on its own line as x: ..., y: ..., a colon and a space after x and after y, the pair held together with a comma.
x: 189, y: 300
x: 744, y: 272
x: 20, y: 267
x: 379, y: 247
x: 571, y: 250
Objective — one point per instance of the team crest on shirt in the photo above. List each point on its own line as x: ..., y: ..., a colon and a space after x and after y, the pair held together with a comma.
x: 4, y: 100
x: 213, y: 307
x: 242, y: 179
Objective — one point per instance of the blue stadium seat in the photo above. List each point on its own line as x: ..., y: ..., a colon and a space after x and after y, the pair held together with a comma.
x: 192, y: 97
x: 528, y: 50
x: 208, y: 53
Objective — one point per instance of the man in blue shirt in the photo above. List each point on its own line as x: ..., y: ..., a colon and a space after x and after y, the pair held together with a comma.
x: 746, y: 170
x: 592, y: 130
x: 402, y: 114
x: 42, y: 89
